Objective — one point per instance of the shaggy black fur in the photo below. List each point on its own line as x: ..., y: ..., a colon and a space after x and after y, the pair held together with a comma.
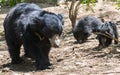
x: 28, y: 25
x: 110, y: 30
x: 85, y: 27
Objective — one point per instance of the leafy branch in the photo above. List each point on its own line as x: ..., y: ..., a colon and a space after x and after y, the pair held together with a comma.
x: 74, y: 9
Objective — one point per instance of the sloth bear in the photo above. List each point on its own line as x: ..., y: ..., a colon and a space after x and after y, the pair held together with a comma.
x: 108, y: 32
x: 37, y: 30
x: 85, y: 27
x: 90, y: 24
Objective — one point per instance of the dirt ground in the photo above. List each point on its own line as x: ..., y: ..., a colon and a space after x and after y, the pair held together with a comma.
x: 69, y: 58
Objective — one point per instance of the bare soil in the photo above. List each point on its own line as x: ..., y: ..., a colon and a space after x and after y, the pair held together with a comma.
x: 69, y: 58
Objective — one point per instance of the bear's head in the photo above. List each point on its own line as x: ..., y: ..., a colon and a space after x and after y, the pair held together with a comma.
x: 50, y: 26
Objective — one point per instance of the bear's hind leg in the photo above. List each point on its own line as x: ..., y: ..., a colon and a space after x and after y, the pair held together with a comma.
x: 14, y: 50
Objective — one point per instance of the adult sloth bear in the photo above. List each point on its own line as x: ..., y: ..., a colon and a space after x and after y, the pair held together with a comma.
x: 28, y: 25
x: 85, y: 27
x: 108, y: 32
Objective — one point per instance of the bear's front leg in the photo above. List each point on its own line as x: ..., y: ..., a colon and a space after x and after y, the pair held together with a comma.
x: 37, y: 49
x: 42, y: 56
x: 42, y: 63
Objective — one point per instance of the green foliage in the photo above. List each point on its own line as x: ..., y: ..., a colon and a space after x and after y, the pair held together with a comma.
x: 3, y: 2
x: 54, y: 1
x: 14, y: 2
x: 113, y: 0
x: 88, y: 4
x: 88, y: 1
x: 74, y: 8
x: 118, y: 4
x: 10, y: 2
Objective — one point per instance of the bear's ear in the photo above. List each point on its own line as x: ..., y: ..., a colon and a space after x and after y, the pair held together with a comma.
x: 60, y: 16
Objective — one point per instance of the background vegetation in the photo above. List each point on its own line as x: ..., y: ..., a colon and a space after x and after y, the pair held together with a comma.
x: 72, y: 8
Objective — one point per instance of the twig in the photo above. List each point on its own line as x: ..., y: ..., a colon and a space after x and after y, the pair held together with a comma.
x: 108, y: 35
